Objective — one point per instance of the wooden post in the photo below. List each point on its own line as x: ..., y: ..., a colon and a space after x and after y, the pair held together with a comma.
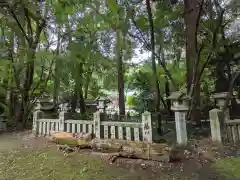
x: 215, y: 116
x: 147, y: 127
x: 62, y: 118
x: 96, y: 123
x: 36, y: 116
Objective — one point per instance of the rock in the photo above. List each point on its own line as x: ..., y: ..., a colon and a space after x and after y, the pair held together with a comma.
x: 187, y: 152
x: 207, y: 156
x: 176, y: 155
x: 161, y: 158
x: 65, y: 149
x: 143, y: 166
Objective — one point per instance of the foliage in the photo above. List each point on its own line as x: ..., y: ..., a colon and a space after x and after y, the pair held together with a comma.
x: 4, y: 110
x: 81, y: 43
x: 228, y: 168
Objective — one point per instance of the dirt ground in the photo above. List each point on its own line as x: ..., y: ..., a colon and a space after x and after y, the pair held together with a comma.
x: 192, y: 168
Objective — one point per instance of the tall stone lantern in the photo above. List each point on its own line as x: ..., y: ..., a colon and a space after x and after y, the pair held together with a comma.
x: 220, y: 99
x: 179, y: 105
x: 44, y: 104
x: 102, y: 104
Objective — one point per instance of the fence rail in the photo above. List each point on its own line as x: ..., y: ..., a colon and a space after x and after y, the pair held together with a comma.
x: 136, y: 131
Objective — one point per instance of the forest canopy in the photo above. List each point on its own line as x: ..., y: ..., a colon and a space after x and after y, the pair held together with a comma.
x: 83, y: 49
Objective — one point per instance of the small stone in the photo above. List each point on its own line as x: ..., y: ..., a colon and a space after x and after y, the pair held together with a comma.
x: 214, y: 148
x: 176, y: 155
x: 206, y: 156
x: 181, y: 168
x: 143, y: 166
x: 186, y: 152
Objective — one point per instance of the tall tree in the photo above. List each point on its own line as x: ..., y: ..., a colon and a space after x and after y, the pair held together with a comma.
x: 154, y: 68
x: 29, y: 21
x: 192, y: 15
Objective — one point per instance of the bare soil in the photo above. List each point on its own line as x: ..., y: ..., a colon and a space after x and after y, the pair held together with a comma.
x: 196, y: 166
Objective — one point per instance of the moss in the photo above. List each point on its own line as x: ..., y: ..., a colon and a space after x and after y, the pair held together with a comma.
x: 228, y: 167
x: 46, y: 165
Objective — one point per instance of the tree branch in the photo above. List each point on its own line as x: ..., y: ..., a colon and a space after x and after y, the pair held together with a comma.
x: 142, y: 41
x: 147, y: 45
x: 197, y: 76
x: 19, y: 24
x: 229, y: 94
x: 29, y: 25
x: 39, y: 83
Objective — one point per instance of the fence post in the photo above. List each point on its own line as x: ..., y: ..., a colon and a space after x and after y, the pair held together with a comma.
x: 215, y: 116
x: 147, y: 127
x: 36, y: 115
x: 96, y: 123
x: 62, y: 118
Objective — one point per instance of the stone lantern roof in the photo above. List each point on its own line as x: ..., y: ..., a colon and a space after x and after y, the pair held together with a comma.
x: 178, y: 95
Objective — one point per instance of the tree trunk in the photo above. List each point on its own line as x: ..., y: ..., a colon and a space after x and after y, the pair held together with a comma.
x: 74, y: 100
x: 191, y: 17
x: 32, y: 38
x: 120, y: 148
x: 79, y: 80
x: 222, y: 82
x: 11, y: 94
x: 119, y: 57
x: 82, y: 103
x: 154, y: 68
x: 28, y: 80
x: 167, y: 105
x: 57, y: 65
x: 13, y: 104
x: 86, y: 85
x: 167, y: 91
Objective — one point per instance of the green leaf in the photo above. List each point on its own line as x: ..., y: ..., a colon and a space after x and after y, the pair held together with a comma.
x: 5, y: 109
x: 142, y: 22
x: 112, y: 6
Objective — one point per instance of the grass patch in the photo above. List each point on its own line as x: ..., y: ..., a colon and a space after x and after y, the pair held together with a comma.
x: 229, y: 167
x: 48, y: 164
x: 52, y: 165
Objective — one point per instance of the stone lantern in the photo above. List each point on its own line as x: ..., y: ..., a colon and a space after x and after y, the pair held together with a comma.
x: 45, y: 104
x: 180, y: 103
x: 220, y: 99
x: 102, y: 104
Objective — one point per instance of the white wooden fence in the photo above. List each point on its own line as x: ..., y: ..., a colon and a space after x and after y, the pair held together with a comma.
x: 136, y: 131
